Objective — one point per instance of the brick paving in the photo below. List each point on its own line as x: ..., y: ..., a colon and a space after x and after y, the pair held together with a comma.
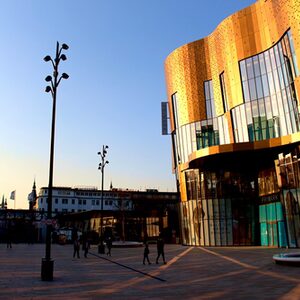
x: 190, y: 273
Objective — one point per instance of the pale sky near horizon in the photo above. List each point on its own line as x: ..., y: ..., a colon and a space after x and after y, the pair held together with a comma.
x: 116, y: 68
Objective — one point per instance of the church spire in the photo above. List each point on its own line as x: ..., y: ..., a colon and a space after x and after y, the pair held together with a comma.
x: 32, y: 197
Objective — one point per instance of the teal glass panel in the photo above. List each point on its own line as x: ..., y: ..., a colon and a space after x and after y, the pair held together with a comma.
x: 251, y: 132
x: 262, y: 213
x: 271, y: 128
x: 279, y: 211
x: 264, y: 234
x: 270, y: 234
x: 282, y: 234
x: 275, y: 234
x: 264, y: 128
x: 271, y: 212
x: 267, y: 213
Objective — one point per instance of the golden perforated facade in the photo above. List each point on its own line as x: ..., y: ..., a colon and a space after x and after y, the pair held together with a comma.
x: 234, y: 112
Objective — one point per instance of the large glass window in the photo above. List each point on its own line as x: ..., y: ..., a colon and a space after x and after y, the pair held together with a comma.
x: 212, y: 132
x: 199, y: 135
x: 267, y: 182
x: 209, y: 100
x: 223, y: 91
x: 270, y: 73
x: 175, y: 110
x: 219, y: 210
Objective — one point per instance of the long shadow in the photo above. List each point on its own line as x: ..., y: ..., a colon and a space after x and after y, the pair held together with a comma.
x: 127, y: 267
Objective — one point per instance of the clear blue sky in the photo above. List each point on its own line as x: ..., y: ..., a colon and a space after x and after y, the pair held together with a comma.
x: 116, y: 67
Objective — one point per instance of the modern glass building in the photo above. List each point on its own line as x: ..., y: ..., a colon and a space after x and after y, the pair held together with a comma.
x: 233, y: 100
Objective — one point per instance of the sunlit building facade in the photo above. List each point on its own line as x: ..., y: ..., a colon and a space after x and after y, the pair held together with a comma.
x: 233, y: 100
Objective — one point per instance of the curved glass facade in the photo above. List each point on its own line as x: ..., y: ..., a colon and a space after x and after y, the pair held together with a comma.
x: 202, y: 134
x: 270, y: 109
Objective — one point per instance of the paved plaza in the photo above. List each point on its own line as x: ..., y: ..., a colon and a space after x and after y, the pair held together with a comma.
x: 190, y: 273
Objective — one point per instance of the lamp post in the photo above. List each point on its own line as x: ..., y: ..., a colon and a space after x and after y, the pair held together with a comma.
x: 102, y: 164
x: 47, y: 262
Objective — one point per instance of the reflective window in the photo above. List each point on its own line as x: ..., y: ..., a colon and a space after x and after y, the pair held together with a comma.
x: 175, y: 110
x: 256, y: 66
x: 249, y: 66
x: 292, y: 54
x: 219, y: 210
x: 175, y: 135
x: 265, y: 84
x: 252, y: 89
x: 223, y: 91
x: 270, y: 73
x: 258, y: 84
x: 209, y: 99
x: 243, y: 70
x: 246, y: 91
x: 262, y: 64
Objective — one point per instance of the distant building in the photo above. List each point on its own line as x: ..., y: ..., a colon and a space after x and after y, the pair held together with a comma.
x: 71, y: 200
x: 79, y: 199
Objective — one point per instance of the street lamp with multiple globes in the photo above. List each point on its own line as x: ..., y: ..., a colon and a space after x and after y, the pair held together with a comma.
x: 47, y: 262
x: 102, y: 164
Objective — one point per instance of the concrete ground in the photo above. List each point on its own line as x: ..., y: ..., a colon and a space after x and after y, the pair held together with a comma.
x: 190, y: 273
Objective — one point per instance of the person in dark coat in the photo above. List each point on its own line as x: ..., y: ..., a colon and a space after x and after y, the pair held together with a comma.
x: 160, y: 248
x: 85, y: 244
x: 146, y: 254
x: 76, y: 246
x: 109, y: 245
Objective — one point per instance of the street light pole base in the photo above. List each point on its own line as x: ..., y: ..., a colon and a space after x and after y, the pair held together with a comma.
x: 101, y: 249
x: 47, y: 269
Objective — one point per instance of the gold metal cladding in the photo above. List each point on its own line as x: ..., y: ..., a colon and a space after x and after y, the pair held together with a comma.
x: 243, y: 34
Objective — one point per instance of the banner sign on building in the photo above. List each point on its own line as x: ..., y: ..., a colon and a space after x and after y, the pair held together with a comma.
x: 164, y: 118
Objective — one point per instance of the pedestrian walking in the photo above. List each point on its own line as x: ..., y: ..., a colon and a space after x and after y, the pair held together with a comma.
x: 76, y: 246
x: 109, y: 245
x: 146, y: 254
x: 85, y: 244
x: 160, y: 248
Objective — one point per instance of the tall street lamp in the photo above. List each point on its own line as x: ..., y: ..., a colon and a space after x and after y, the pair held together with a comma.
x: 47, y: 262
x: 102, y: 164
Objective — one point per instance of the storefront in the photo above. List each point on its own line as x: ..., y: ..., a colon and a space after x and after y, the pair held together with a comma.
x: 259, y: 206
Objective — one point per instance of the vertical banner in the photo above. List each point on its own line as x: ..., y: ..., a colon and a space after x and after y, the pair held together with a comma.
x: 164, y: 118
